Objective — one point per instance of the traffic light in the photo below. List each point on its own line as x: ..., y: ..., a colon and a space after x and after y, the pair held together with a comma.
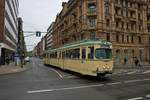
x: 38, y: 34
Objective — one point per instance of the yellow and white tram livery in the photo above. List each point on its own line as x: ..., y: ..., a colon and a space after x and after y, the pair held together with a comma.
x: 87, y: 57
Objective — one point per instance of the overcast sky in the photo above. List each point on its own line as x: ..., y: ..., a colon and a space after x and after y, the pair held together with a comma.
x: 37, y: 15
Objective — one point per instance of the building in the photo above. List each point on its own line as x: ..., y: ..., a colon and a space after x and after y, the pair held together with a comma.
x: 126, y: 23
x: 48, y: 38
x: 8, y: 28
x: 38, y: 50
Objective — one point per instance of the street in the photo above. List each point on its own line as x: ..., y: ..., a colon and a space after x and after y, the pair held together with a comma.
x: 42, y: 82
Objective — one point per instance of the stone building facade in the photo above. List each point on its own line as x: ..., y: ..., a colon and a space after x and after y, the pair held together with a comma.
x: 126, y: 23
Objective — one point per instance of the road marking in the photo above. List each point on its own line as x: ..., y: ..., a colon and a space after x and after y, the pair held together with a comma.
x: 57, y: 73
x: 132, y: 81
x: 131, y: 72
x: 148, y: 79
x: 39, y: 91
x: 90, y: 86
x: 138, y: 98
x: 146, y: 72
x: 115, y: 73
x: 114, y: 83
x: 148, y: 96
x: 61, y: 89
x: 71, y: 77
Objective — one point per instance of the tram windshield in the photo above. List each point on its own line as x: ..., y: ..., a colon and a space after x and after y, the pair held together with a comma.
x: 103, y: 53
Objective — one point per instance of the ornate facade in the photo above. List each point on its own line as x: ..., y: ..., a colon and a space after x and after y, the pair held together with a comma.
x: 126, y: 23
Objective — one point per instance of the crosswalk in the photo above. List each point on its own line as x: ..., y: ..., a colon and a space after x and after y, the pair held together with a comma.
x: 130, y: 72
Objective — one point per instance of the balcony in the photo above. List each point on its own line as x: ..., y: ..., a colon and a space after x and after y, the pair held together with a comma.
x: 118, y: 5
x: 118, y: 29
x: 131, y: 9
x: 132, y: 19
x: 118, y: 16
x: 91, y: 1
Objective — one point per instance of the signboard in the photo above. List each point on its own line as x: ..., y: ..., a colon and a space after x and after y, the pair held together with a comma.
x: 105, y: 46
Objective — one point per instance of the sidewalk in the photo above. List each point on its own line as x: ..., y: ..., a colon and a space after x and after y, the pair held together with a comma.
x: 11, y: 68
x: 144, y: 66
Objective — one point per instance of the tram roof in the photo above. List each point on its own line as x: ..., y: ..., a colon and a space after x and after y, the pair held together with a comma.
x: 82, y: 43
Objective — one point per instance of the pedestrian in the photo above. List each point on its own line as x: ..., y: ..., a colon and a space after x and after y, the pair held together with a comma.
x: 136, y: 61
x: 7, y: 60
x: 125, y: 61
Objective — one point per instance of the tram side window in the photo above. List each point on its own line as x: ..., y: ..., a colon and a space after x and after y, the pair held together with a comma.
x: 90, y: 52
x: 83, y: 53
x: 53, y: 55
x: 48, y: 55
x: 67, y: 54
x: 59, y: 54
x: 75, y: 53
x: 63, y: 55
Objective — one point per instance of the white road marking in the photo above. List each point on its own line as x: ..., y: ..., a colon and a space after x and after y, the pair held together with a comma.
x: 138, y: 98
x: 114, y: 83
x: 57, y: 73
x: 115, y: 73
x: 146, y: 72
x: 91, y: 86
x: 148, y: 79
x: 71, y: 77
x: 131, y: 72
x: 61, y: 89
x: 148, y: 96
x: 39, y: 91
x: 132, y: 81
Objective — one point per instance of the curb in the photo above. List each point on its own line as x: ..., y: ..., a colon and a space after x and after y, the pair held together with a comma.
x: 19, y: 70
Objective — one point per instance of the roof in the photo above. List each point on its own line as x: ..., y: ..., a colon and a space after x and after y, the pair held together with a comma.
x: 82, y: 43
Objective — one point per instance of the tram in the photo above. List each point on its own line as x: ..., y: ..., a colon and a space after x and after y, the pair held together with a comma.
x: 87, y: 57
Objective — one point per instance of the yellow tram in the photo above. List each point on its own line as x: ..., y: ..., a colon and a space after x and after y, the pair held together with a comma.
x: 87, y: 57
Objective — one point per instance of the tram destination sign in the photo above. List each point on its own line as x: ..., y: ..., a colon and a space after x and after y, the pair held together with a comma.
x: 105, y: 46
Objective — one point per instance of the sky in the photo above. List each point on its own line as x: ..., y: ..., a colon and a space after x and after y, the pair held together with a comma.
x: 37, y: 16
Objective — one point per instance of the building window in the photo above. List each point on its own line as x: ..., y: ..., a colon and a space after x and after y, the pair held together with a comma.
x: 148, y: 29
x: 117, y: 38
x: 106, y: 8
x: 122, y: 38
x: 92, y: 22
x: 117, y: 24
x: 132, y: 39
x: 127, y: 26
x: 133, y: 53
x: 92, y: 7
x: 140, y: 40
x: 117, y: 58
x: 93, y: 35
x: 126, y: 53
x: 122, y: 25
x: 108, y: 36
x: 108, y: 23
x: 127, y: 39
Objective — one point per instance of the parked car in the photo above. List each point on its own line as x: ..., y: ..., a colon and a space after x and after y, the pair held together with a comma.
x: 27, y: 59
